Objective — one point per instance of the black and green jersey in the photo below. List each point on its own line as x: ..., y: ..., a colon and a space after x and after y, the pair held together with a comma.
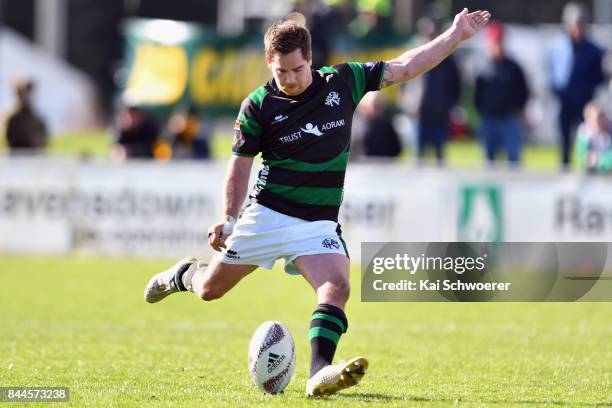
x: 304, y: 140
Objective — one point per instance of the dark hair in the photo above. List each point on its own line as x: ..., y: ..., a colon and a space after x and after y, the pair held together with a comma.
x: 287, y: 36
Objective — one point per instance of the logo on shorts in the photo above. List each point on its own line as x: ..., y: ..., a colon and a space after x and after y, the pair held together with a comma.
x: 232, y: 254
x: 330, y: 243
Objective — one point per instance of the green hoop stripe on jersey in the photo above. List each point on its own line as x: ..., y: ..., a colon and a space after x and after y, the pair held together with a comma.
x: 258, y: 95
x: 338, y: 163
x: 323, y: 332
x: 330, y: 318
x: 249, y: 126
x: 327, y: 70
x: 359, y: 89
x: 307, y: 195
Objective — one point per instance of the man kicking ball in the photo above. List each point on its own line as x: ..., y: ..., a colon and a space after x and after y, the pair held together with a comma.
x: 300, y: 122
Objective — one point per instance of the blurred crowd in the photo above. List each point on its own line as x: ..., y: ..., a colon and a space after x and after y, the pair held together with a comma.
x: 137, y: 134
x: 500, y: 95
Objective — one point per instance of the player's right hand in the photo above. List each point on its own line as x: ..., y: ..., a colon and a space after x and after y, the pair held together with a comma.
x: 468, y: 24
x: 218, y: 233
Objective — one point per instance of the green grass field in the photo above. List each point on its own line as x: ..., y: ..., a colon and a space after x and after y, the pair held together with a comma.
x: 82, y: 323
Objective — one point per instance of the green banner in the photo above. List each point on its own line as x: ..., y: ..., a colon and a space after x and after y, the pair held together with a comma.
x: 480, y: 214
x: 172, y: 63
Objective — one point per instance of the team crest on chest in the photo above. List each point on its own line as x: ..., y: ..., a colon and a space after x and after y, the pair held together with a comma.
x: 333, y: 98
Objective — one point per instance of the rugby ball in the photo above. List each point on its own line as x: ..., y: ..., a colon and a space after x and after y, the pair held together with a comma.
x: 271, y: 357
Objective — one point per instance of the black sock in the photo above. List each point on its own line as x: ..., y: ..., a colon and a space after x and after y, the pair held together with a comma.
x: 178, y: 277
x: 326, y: 326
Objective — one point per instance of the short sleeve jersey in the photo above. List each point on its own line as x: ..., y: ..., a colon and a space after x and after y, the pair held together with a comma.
x: 304, y: 140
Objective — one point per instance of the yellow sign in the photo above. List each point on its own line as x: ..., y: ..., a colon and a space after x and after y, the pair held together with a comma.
x: 161, y: 75
x: 226, y: 77
x: 158, y: 76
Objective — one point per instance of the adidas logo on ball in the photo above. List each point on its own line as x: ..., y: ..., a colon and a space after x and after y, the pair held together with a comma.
x: 274, y: 360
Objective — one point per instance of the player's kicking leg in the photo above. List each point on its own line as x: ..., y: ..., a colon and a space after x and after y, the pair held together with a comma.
x: 328, y: 274
x: 208, y: 282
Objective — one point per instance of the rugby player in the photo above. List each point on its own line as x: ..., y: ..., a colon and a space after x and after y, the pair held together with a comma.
x: 300, y: 122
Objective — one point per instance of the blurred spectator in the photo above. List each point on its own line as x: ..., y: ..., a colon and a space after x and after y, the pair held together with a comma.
x: 374, y: 16
x: 189, y: 135
x: 375, y: 127
x: 594, y: 140
x: 25, y: 129
x: 576, y: 71
x: 441, y: 90
x: 136, y: 133
x: 500, y: 97
x: 322, y: 21
x: 345, y: 13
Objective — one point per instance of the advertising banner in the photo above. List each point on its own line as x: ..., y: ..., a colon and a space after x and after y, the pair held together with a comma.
x: 170, y: 63
x: 165, y: 209
x: 140, y: 209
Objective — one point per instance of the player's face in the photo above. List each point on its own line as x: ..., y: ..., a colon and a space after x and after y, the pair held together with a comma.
x: 291, y: 72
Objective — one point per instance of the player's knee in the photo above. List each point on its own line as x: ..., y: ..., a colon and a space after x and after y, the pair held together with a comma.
x: 337, y: 290
x: 343, y: 289
x: 210, y: 292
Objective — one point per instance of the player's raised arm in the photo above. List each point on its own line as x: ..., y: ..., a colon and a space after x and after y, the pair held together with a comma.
x: 417, y: 61
x: 236, y: 185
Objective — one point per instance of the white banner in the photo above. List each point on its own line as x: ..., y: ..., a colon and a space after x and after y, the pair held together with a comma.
x: 139, y: 209
x: 164, y: 209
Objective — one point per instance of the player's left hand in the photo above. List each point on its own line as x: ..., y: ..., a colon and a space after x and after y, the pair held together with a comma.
x: 218, y: 233
x: 468, y: 24
x: 216, y: 240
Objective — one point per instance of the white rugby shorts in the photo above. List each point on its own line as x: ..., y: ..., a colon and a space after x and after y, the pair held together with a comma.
x: 261, y: 236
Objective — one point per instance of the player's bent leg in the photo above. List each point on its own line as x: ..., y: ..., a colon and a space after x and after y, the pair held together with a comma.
x: 217, y: 279
x: 207, y: 281
x: 328, y: 274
